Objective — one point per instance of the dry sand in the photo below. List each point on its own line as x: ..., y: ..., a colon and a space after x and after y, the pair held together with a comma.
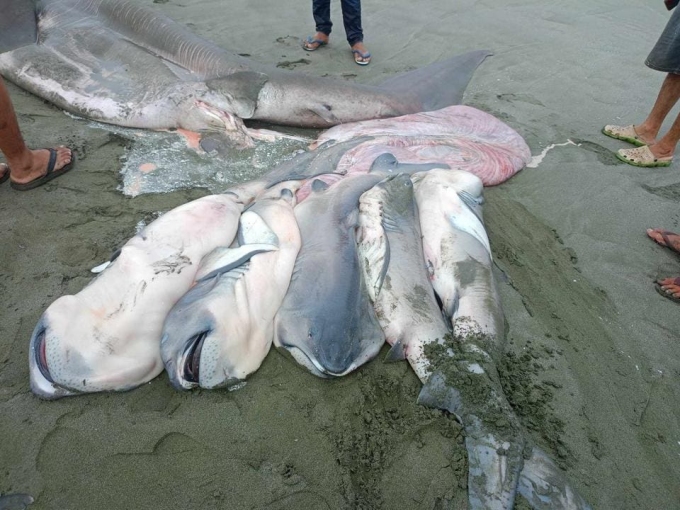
x: 593, y: 361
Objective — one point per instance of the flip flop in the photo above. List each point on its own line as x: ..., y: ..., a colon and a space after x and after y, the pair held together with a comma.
x: 51, y: 173
x: 643, y: 157
x: 5, y: 175
x: 309, y: 40
x: 665, y: 235
x: 625, y: 133
x: 358, y: 55
x: 657, y: 287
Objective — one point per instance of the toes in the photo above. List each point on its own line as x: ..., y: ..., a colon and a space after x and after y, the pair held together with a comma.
x: 655, y: 234
x: 669, y: 282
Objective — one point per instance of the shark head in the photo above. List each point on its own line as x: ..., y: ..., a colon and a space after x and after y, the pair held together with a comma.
x: 70, y: 353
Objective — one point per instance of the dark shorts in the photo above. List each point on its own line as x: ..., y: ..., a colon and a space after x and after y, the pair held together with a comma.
x: 665, y: 56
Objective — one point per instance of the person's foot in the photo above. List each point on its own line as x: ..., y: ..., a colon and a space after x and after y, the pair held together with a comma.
x: 647, y: 156
x: 669, y: 287
x: 314, y: 42
x: 661, y: 152
x: 361, y: 55
x: 34, y: 164
x: 665, y: 238
x: 637, y: 135
x: 4, y: 172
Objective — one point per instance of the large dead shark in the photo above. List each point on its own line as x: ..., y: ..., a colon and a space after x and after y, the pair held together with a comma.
x: 121, y: 63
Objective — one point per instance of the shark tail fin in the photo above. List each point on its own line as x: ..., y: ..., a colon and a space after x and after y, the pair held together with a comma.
x: 440, y: 84
x: 545, y: 486
x: 18, y: 24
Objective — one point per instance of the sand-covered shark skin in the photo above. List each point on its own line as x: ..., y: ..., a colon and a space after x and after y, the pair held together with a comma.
x: 460, y: 376
x: 390, y: 251
x: 107, y: 337
x: 119, y: 62
x: 222, y: 329
x: 326, y: 321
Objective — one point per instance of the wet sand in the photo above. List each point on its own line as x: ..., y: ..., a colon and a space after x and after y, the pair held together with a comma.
x: 593, y: 359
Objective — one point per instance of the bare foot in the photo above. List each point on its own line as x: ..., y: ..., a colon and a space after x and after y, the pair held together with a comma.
x: 361, y: 54
x: 665, y: 238
x: 33, y: 164
x: 3, y: 171
x: 313, y: 42
x: 669, y: 287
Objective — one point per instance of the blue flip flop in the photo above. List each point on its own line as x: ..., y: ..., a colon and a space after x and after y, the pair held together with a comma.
x: 358, y: 55
x: 309, y: 40
x: 49, y: 175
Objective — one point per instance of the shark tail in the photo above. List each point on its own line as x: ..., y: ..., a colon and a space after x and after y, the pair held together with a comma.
x: 494, y: 442
x: 440, y: 84
x: 545, y: 487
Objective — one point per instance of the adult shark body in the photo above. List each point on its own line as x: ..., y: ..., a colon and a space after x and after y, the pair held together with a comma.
x: 121, y: 63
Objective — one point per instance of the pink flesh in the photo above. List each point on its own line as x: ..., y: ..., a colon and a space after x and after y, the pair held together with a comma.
x: 193, y: 139
x: 147, y: 167
x: 460, y: 136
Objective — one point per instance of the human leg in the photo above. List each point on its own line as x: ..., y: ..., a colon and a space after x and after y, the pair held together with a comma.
x: 351, y: 18
x: 321, y: 10
x: 657, y: 154
x: 26, y: 165
x: 665, y: 101
x: 646, y: 132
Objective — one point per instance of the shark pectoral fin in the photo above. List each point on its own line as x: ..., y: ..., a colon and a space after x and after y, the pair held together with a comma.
x: 436, y: 394
x: 223, y: 259
x: 449, y: 307
x: 396, y: 353
x: 467, y: 221
x: 473, y: 202
x: 326, y: 115
x: 252, y: 229
x: 104, y: 265
x: 375, y: 260
x: 545, y: 487
x: 241, y: 90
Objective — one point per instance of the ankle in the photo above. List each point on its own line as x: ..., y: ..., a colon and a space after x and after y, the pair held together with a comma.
x: 22, y: 163
x: 662, y: 149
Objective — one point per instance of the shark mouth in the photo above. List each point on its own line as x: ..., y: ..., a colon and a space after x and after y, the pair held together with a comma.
x: 41, y: 356
x: 42, y: 382
x: 312, y: 364
x: 191, y: 362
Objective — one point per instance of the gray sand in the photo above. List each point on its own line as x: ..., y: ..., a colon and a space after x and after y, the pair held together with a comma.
x: 593, y: 360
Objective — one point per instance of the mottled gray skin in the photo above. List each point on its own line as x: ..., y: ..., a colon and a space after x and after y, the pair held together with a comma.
x: 121, y: 63
x: 326, y: 321
x: 458, y: 257
x: 391, y: 253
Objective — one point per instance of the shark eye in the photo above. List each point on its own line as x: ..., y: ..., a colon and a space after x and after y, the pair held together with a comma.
x: 192, y: 359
